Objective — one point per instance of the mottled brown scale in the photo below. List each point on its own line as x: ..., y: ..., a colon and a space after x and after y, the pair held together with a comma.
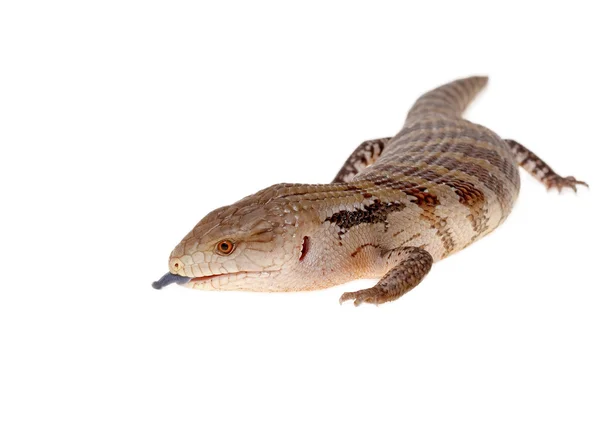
x: 474, y: 199
x: 374, y: 213
x: 444, y: 232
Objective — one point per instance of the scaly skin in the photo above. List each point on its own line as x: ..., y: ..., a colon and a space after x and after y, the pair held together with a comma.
x: 396, y: 206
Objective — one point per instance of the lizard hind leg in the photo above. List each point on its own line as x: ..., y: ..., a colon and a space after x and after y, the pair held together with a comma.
x: 540, y: 169
x: 409, y: 266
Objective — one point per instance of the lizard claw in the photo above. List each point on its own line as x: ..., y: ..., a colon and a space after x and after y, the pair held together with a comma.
x: 558, y: 182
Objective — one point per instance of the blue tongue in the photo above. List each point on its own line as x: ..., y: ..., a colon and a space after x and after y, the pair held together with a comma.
x: 169, y: 278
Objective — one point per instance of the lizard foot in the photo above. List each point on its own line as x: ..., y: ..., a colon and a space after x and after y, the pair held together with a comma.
x: 371, y: 295
x: 558, y: 182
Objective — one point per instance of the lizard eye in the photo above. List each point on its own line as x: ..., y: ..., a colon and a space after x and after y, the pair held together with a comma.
x: 225, y: 247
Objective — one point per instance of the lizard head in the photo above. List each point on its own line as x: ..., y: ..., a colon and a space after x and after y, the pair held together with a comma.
x: 254, y: 245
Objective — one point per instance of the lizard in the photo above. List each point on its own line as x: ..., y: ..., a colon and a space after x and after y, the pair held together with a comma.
x: 397, y: 205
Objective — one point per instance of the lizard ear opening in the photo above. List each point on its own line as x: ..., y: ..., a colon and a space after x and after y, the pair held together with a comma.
x: 305, y: 245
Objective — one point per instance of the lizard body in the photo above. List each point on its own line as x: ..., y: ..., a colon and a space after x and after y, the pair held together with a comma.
x: 397, y: 206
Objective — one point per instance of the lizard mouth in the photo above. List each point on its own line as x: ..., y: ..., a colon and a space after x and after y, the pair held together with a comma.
x: 205, y: 278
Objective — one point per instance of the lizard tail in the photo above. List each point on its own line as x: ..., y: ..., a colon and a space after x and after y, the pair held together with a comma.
x: 450, y: 99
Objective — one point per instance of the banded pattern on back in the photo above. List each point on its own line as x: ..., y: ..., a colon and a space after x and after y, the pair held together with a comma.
x: 450, y: 99
x: 437, y: 150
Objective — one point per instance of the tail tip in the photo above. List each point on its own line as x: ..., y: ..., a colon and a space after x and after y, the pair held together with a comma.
x: 480, y: 80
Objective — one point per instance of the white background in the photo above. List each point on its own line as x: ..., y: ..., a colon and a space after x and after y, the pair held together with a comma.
x: 123, y: 123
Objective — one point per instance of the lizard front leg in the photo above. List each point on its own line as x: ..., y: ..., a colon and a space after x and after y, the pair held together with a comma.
x: 363, y: 156
x: 409, y: 266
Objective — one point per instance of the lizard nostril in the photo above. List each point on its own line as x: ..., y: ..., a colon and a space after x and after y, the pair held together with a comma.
x: 176, y: 266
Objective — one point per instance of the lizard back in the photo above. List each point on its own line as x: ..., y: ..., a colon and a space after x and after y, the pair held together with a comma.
x: 453, y: 169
